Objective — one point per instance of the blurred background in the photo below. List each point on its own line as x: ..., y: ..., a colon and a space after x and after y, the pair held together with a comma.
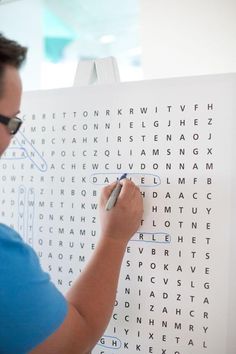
x: 149, y: 38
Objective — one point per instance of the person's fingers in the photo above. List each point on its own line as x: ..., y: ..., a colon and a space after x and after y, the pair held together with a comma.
x: 109, y: 188
x: 127, y: 190
x: 137, y: 188
x: 106, y: 192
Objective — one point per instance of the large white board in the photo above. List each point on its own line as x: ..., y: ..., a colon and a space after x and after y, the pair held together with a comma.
x: 175, y: 138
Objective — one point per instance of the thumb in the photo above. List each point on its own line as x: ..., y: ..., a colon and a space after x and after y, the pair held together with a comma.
x: 106, y: 192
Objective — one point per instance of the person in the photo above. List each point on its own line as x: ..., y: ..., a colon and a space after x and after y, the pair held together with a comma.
x: 34, y: 316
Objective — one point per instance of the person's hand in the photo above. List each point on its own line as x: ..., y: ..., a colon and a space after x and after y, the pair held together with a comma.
x: 123, y: 220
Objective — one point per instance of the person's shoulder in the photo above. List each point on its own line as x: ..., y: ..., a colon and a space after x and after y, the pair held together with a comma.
x: 32, y: 308
x: 11, y: 244
x: 8, y: 234
x: 17, y: 257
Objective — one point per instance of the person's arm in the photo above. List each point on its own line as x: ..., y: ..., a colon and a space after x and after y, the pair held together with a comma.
x: 91, y: 298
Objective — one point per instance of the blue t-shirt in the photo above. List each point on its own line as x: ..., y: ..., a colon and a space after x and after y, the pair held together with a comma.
x: 31, y: 307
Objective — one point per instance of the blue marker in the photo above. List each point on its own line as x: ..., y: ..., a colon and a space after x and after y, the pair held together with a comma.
x: 115, y: 193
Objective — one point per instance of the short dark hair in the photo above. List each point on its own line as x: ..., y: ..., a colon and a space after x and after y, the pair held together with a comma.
x: 11, y: 53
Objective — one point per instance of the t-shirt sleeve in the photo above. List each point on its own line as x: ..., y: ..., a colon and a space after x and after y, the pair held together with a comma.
x: 31, y: 307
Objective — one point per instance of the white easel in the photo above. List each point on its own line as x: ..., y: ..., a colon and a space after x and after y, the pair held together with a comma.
x: 99, y: 71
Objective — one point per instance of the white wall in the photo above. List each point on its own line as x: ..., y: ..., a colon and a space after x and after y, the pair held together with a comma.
x: 188, y: 37
x: 21, y: 20
x: 178, y: 37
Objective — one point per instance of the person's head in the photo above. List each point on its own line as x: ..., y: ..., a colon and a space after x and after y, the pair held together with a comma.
x: 12, y: 56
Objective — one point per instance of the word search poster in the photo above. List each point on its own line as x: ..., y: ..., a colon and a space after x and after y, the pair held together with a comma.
x: 175, y: 138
